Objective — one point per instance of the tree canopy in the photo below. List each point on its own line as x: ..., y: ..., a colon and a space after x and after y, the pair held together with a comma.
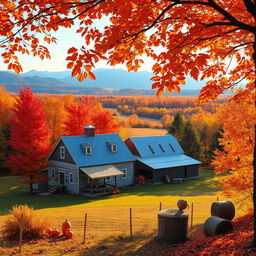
x: 206, y: 39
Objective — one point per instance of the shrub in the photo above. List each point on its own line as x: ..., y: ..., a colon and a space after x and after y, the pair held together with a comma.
x: 34, y: 225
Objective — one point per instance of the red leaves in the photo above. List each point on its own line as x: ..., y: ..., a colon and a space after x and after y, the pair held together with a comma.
x: 29, y: 137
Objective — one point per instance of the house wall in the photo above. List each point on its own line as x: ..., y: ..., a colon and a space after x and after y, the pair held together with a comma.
x: 56, y: 154
x: 120, y: 181
x: 71, y: 188
x: 154, y: 176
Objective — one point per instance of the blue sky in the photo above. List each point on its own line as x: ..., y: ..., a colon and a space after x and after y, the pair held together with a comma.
x: 66, y: 39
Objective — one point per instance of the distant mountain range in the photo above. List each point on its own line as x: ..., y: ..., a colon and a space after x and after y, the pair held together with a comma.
x: 108, y: 82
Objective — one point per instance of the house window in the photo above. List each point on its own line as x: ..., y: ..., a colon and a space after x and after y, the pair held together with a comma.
x: 53, y: 173
x: 71, y: 177
x: 62, y: 152
x: 88, y: 150
x: 113, y: 147
x: 124, y: 176
x: 171, y: 147
x: 108, y: 178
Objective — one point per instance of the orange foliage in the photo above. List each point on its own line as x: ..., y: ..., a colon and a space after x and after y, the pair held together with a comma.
x: 6, y: 102
x: 238, y: 142
x: 193, y: 38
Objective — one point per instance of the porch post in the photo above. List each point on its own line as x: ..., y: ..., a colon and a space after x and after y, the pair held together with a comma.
x: 115, y: 181
x: 91, y: 186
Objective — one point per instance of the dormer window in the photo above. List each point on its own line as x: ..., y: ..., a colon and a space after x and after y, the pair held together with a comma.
x: 62, y: 152
x: 87, y: 149
x: 113, y: 147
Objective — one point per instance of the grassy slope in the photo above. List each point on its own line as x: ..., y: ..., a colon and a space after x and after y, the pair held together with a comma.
x: 108, y: 217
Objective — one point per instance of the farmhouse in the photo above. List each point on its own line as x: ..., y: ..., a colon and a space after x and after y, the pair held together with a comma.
x: 161, y: 157
x: 90, y: 164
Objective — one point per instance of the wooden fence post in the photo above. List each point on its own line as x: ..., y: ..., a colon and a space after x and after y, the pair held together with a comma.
x: 160, y: 206
x: 85, y: 226
x: 192, y: 216
x: 131, y: 223
x: 217, y: 199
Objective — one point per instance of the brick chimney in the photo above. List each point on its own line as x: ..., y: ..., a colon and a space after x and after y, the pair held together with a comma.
x: 89, y: 130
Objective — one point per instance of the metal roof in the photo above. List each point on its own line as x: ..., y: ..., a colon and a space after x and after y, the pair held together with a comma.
x: 101, y: 152
x: 169, y: 161
x: 101, y: 171
x: 156, y: 145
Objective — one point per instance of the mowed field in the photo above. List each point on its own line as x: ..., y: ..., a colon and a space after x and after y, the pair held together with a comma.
x: 108, y: 217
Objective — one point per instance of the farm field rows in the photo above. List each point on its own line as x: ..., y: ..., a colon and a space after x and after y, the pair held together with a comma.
x: 108, y: 217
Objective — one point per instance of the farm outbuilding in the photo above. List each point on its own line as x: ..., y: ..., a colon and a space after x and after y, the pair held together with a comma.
x: 161, y: 157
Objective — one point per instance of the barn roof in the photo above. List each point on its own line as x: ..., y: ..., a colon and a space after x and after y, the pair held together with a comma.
x: 156, y: 146
x: 169, y: 161
x: 160, y: 152
x: 101, y: 151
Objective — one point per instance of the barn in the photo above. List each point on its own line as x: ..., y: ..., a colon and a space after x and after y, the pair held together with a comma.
x: 161, y: 157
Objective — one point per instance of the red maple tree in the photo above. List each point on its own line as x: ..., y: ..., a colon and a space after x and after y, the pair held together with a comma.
x: 78, y: 116
x: 104, y: 122
x: 30, y: 138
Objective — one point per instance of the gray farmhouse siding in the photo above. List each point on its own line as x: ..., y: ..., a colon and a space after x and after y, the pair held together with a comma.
x: 121, y: 182
x: 75, y: 161
x: 57, y: 166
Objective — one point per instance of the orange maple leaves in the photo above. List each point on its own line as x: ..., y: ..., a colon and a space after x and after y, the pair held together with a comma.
x: 197, y: 38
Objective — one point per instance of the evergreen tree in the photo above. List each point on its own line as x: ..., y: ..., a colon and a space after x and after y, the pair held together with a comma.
x: 177, y: 127
x: 190, y: 141
x: 215, y: 144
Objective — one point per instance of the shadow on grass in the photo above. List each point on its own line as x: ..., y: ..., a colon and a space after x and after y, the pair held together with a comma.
x: 119, y: 245
x: 13, y: 193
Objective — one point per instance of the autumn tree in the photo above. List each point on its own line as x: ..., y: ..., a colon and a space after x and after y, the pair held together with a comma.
x: 6, y: 103
x: 78, y: 116
x: 236, y: 155
x: 30, y: 138
x: 56, y: 114
x: 104, y: 122
x: 200, y: 38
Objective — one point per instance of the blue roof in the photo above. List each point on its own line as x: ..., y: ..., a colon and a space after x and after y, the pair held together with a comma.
x: 169, y: 161
x: 156, y: 145
x: 160, y: 152
x: 101, y: 153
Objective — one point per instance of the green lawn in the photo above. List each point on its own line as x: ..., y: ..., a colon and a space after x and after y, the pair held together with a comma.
x: 108, y: 216
x: 12, y: 192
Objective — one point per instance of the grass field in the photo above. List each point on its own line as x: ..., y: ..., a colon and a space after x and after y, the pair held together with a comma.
x: 108, y: 217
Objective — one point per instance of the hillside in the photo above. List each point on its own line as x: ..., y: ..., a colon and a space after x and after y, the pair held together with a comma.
x: 41, y: 83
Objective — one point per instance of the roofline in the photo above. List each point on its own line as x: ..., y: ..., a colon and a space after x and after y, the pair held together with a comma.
x: 57, y: 143
x: 53, y: 148
x: 84, y: 166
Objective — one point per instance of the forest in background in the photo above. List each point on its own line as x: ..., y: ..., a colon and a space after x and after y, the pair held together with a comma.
x: 219, y: 134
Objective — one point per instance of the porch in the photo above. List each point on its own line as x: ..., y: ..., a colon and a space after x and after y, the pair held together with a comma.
x: 94, y: 180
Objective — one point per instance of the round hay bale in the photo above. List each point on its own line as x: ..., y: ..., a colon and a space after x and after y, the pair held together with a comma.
x: 215, y: 226
x: 172, y: 226
x: 223, y: 209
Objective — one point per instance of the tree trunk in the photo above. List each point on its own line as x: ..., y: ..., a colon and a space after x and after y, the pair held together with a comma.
x: 254, y: 153
x: 31, y: 186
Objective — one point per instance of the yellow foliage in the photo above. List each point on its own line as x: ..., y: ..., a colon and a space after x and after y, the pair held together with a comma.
x: 236, y: 159
x: 33, y: 224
